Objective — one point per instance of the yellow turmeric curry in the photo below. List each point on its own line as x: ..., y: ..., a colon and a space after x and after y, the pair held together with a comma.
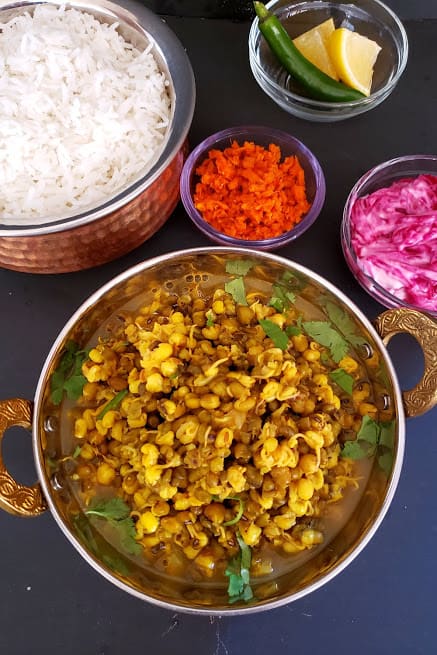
x: 218, y: 421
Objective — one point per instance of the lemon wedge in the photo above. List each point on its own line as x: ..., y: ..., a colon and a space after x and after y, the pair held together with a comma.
x: 313, y: 45
x: 353, y: 56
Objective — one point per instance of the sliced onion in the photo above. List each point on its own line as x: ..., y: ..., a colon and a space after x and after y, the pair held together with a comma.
x: 394, y: 235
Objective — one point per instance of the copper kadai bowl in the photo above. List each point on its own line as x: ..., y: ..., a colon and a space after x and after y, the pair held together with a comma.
x: 181, y: 271
x: 125, y: 221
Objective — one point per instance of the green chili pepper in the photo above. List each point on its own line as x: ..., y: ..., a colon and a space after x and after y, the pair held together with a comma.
x: 317, y: 84
x: 112, y: 403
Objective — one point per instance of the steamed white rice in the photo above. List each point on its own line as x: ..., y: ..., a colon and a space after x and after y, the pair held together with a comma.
x: 82, y: 113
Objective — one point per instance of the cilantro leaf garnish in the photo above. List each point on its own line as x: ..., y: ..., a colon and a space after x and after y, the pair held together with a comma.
x: 117, y: 513
x: 113, y: 509
x: 277, y: 303
x: 325, y: 335
x: 68, y: 374
x: 343, y: 379
x: 100, y: 548
x: 386, y: 462
x: 238, y: 572
x: 387, y: 434
x: 237, y: 290
x: 281, y: 298
x: 353, y: 450
x: 344, y: 323
x: 274, y: 332
x: 293, y: 330
x: 369, y: 431
x: 371, y: 436
x: 239, y: 513
x: 112, y: 404
x: 366, y: 441
x: 296, y: 281
x: 239, y: 266
x: 74, y: 385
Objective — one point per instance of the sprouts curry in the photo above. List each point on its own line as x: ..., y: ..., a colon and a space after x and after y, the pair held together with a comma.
x: 215, y: 428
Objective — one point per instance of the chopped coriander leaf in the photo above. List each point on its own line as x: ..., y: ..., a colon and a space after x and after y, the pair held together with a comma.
x: 296, y: 281
x: 274, y: 332
x: 112, y: 404
x: 281, y: 298
x: 236, y: 289
x: 57, y: 395
x: 370, y: 437
x: 68, y: 374
x: 247, y: 593
x: 239, y: 266
x: 117, y: 513
x: 99, y: 547
x: 277, y: 304
x: 67, y: 359
x: 236, y: 584
x: 287, y: 276
x: 115, y: 563
x: 293, y: 330
x: 85, y: 532
x: 113, y: 509
x: 325, y: 335
x: 128, y: 533
x: 343, y: 379
x: 74, y: 385
x: 387, y: 434
x: 344, y: 323
x: 246, y: 557
x: 353, y: 450
x: 386, y: 462
x: 239, y: 513
x: 238, y: 572
x: 58, y: 377
x: 76, y: 452
x: 369, y: 431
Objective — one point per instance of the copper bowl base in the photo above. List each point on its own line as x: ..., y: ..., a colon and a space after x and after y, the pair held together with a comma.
x: 101, y: 241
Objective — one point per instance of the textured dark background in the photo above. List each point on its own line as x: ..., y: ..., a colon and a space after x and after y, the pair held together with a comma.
x: 242, y: 9
x: 384, y: 603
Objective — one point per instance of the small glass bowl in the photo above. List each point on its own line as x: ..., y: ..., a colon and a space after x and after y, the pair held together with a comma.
x: 383, y: 175
x: 263, y: 136
x: 370, y: 18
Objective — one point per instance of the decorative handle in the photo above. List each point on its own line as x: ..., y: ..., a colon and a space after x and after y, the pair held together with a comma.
x: 423, y: 328
x: 16, y: 498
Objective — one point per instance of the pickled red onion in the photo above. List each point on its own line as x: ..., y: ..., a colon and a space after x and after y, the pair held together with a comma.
x: 394, y: 235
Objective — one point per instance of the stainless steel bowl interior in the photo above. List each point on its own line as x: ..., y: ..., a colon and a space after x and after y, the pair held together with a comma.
x: 51, y: 444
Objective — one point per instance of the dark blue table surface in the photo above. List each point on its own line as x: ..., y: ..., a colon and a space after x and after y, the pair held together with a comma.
x: 385, y: 602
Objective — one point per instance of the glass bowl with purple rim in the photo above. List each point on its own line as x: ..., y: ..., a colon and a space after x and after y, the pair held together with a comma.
x: 262, y: 136
x: 389, y: 232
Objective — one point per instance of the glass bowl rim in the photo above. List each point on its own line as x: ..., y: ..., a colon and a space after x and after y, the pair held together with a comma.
x: 320, y: 104
x: 372, y: 287
x: 208, y: 143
